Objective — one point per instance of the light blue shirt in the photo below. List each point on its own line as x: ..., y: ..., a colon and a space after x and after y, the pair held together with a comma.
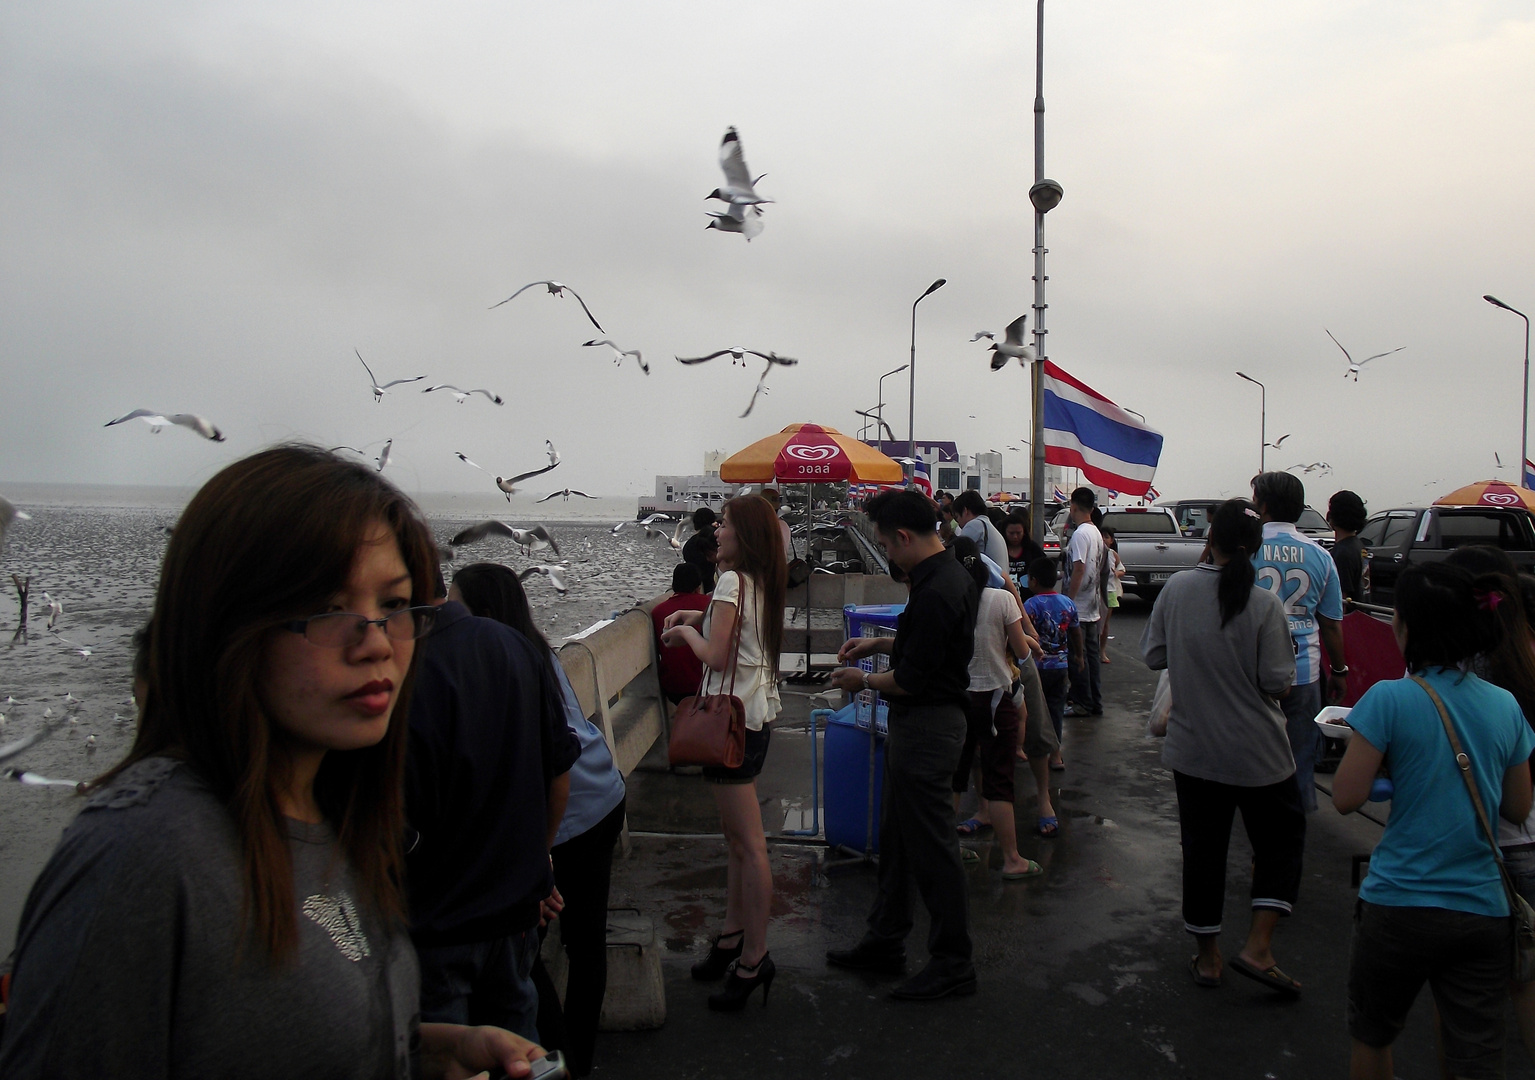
x: 1434, y: 853
x: 596, y: 787
x: 1302, y: 574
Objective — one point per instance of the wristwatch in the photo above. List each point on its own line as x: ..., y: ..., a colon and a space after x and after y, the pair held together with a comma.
x: 865, y: 675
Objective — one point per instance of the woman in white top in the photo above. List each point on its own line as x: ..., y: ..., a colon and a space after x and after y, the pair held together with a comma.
x: 995, y: 715
x: 1113, y: 589
x: 749, y: 593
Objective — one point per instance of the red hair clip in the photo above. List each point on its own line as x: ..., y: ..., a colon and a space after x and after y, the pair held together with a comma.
x: 1488, y: 599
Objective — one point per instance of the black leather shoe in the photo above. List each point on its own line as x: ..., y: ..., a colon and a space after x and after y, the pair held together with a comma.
x: 732, y: 997
x: 867, y: 957
x: 930, y: 985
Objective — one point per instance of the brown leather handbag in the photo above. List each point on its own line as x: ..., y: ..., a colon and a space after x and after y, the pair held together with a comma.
x: 710, y: 729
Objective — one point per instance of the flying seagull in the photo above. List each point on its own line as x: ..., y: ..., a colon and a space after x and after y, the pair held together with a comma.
x: 8, y: 514
x: 619, y: 354
x: 1353, y: 368
x: 1276, y: 442
x: 737, y: 353
x: 556, y: 288
x: 1012, y: 346
x: 675, y: 539
x: 462, y: 396
x: 566, y: 494
x: 156, y: 421
x: 508, y: 486
x: 647, y: 522
x: 746, y: 220
x: 737, y: 356
x: 890, y: 435
x: 979, y: 334
x: 740, y: 189
x: 380, y: 389
x: 530, y: 540
x: 383, y: 457
x: 555, y: 574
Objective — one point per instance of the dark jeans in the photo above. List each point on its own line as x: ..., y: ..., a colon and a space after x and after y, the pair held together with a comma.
x: 1465, y: 959
x: 917, y: 841
x: 1055, y: 683
x: 1300, y: 706
x: 1087, y: 684
x: 1276, y: 828
x: 487, y: 982
x: 583, y: 872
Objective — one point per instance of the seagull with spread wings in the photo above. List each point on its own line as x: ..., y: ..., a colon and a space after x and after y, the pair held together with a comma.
x: 462, y: 396
x: 738, y: 353
x: 1011, y: 347
x: 619, y: 354
x: 746, y: 220
x: 555, y: 574
x: 565, y: 494
x: 156, y: 421
x: 529, y: 540
x: 508, y: 485
x: 556, y: 288
x: 8, y: 514
x: 379, y: 390
x: 1353, y: 368
x: 740, y: 189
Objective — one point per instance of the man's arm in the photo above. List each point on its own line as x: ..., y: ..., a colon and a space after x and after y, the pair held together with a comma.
x: 1332, y: 644
x: 1077, y: 571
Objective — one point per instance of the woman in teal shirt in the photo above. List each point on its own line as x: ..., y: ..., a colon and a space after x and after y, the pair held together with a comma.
x: 1433, y: 908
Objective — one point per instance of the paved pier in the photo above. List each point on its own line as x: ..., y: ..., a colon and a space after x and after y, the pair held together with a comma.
x: 1082, y: 971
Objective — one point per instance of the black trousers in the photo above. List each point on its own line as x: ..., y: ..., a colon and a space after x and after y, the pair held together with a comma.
x: 1276, y: 828
x: 583, y: 872
x: 917, y: 842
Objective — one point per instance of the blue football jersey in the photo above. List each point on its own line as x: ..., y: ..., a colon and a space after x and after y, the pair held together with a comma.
x: 1301, y: 572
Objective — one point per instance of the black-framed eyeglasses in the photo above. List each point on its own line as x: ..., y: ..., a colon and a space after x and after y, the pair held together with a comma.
x: 346, y: 629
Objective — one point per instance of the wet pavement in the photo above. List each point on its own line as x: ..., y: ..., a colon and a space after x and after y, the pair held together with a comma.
x: 1082, y: 971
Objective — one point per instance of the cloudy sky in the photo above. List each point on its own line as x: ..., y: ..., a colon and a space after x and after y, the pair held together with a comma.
x: 206, y: 206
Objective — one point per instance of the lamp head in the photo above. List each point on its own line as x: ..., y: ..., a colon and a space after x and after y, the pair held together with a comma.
x: 1046, y: 195
x: 1249, y: 378
x: 935, y: 286
x: 1495, y: 302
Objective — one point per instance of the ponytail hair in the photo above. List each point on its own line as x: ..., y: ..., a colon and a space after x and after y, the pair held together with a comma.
x: 1449, y: 615
x: 1236, y: 532
x: 968, y: 554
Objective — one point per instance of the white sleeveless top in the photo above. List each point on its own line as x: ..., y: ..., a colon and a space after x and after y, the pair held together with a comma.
x: 755, y: 684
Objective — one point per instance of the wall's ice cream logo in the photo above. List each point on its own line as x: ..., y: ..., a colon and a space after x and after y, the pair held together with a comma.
x: 1501, y: 498
x: 812, y: 453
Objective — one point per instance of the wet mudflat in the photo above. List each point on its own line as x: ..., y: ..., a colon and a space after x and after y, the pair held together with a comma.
x: 1082, y: 971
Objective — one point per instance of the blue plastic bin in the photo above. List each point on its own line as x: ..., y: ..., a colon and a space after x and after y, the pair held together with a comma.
x: 848, y: 821
x: 872, y: 620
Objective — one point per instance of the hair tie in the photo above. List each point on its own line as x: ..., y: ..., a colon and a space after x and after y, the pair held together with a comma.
x: 1488, y: 599
x: 1249, y: 511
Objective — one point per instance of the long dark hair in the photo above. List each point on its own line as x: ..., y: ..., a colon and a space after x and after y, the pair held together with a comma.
x: 495, y: 592
x: 1511, y: 664
x: 968, y: 552
x: 1451, y: 615
x: 1236, y: 532
x: 270, y: 539
x: 760, y: 556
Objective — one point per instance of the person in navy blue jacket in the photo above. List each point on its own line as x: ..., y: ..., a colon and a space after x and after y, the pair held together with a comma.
x: 487, y: 778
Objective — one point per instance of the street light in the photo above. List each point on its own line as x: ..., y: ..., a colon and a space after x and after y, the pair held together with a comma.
x: 879, y: 422
x: 1263, y: 419
x: 911, y: 395
x: 1524, y: 417
x: 882, y: 379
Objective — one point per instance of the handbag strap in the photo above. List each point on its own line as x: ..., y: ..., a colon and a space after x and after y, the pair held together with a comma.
x: 1463, y: 765
x: 731, y: 658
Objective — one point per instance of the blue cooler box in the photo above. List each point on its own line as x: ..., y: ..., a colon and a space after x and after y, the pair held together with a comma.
x: 847, y: 782
x: 872, y: 620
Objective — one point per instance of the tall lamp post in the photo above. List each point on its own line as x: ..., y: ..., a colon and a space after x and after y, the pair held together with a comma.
x: 881, y: 409
x: 1046, y: 196
x: 911, y: 394
x: 1524, y: 417
x: 1263, y: 419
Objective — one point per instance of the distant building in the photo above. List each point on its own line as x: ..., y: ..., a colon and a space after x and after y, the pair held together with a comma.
x: 684, y: 494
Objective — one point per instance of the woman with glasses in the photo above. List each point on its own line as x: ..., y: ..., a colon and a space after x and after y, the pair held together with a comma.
x: 228, y: 902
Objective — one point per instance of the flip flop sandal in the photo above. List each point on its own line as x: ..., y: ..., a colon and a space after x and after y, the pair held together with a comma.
x: 1201, y: 979
x: 969, y: 855
x: 1034, y: 870
x: 972, y: 827
x: 1057, y: 766
x: 1270, y: 977
x: 1048, y: 827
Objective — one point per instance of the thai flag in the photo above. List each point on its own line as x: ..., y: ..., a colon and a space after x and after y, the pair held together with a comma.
x: 1529, y: 473
x: 1057, y: 495
x: 920, y: 478
x: 1087, y: 431
x: 1153, y: 493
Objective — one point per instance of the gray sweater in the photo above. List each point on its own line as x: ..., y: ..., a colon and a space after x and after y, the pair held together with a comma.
x: 128, y: 960
x: 1225, y: 723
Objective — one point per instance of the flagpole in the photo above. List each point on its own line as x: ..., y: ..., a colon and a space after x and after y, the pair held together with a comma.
x: 1045, y: 195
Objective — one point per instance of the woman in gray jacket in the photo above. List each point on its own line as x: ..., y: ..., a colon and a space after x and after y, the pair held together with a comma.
x: 1226, y: 646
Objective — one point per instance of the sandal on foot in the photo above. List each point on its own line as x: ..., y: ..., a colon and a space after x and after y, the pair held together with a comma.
x: 1048, y: 827
x: 1270, y: 976
x: 1057, y: 766
x: 1200, y: 978
x: 972, y: 827
x: 969, y: 855
x: 1032, y: 870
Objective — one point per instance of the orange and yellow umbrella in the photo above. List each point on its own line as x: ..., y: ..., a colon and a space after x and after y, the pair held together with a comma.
x: 1489, y: 493
x: 809, y: 453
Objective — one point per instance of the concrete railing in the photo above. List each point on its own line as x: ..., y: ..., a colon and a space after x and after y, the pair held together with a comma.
x: 613, y: 672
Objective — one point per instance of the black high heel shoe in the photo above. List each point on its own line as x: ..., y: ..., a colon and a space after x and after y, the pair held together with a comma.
x: 738, y: 988
x: 719, y: 959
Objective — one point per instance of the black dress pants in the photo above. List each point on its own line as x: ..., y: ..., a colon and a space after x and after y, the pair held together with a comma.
x: 917, y: 842
x: 583, y: 872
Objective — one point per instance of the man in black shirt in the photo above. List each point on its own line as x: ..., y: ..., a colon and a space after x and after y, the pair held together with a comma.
x: 927, y: 688
x: 487, y: 777
x: 699, y: 550
x: 1346, y: 515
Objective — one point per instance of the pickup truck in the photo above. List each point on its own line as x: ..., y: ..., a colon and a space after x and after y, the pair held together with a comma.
x: 1151, y: 546
x: 1398, y: 538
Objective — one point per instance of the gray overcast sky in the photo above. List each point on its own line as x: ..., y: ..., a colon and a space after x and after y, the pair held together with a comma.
x: 206, y: 206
